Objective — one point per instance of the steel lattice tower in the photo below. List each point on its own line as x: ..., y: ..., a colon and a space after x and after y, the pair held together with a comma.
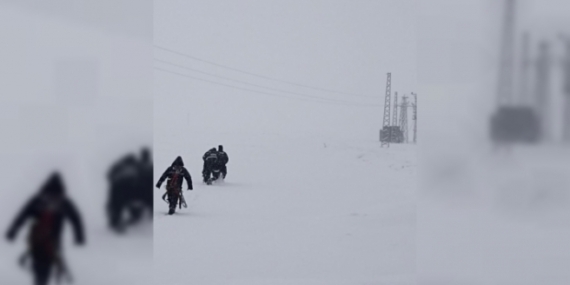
x: 404, y: 118
x: 526, y: 64
x: 395, y: 110
x: 415, y: 115
x: 505, y: 84
x: 542, y: 91
x: 566, y: 116
x: 386, y: 119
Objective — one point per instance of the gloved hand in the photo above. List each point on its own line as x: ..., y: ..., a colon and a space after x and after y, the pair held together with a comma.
x: 189, y: 188
x: 157, y: 186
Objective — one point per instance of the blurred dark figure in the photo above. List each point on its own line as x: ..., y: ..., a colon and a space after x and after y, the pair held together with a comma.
x: 210, y: 159
x: 142, y: 195
x: 146, y: 178
x: 125, y: 193
x: 223, y: 159
x: 48, y: 209
x: 175, y: 174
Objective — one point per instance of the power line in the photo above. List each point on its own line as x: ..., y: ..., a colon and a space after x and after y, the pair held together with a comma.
x: 256, y: 85
x: 261, y: 76
x: 265, y: 93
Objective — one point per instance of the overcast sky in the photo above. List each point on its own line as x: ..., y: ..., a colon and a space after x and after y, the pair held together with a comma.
x: 345, y: 46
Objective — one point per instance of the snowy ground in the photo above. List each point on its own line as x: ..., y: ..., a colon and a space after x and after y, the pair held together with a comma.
x: 497, y: 219
x: 292, y: 211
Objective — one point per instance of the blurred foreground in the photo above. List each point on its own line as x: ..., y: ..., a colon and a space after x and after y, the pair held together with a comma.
x: 75, y: 97
x: 494, y: 201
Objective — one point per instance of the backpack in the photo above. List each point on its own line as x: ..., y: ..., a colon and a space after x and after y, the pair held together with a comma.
x: 41, y: 235
x: 212, y: 157
x: 175, y: 176
x: 223, y: 157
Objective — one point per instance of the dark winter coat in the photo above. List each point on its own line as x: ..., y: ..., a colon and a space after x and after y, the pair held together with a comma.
x: 177, y: 168
x: 223, y: 158
x: 146, y: 180
x: 211, y: 155
x: 125, y: 169
x: 125, y: 179
x: 51, y: 195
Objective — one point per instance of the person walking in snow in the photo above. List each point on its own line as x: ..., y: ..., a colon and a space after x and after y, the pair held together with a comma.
x: 48, y: 210
x: 124, y: 180
x: 223, y: 159
x: 146, y: 178
x: 210, y: 159
x: 175, y: 174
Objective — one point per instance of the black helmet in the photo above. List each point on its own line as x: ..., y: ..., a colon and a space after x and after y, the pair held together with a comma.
x: 220, y: 148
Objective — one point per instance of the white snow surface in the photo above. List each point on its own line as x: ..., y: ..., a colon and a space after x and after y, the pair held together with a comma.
x: 293, y: 210
x: 497, y: 218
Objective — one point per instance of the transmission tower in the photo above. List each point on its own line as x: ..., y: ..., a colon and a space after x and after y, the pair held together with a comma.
x: 505, y: 84
x: 566, y: 74
x: 542, y: 92
x: 385, y: 140
x: 526, y: 64
x: 415, y: 115
x: 404, y: 118
x: 395, y: 115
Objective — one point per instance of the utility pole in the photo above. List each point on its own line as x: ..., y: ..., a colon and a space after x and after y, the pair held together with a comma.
x: 542, y: 94
x: 566, y: 63
x: 505, y: 84
x: 395, y: 109
x: 415, y: 116
x: 525, y: 67
x: 404, y: 117
x: 385, y: 141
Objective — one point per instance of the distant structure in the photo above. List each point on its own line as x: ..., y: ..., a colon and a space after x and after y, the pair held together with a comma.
x: 512, y: 122
x: 396, y: 131
x: 385, y: 132
x: 542, y: 90
x: 526, y: 63
x: 528, y: 117
x: 404, y: 118
x: 415, y: 116
x: 395, y: 109
x: 506, y: 67
x: 566, y: 68
x: 397, y: 135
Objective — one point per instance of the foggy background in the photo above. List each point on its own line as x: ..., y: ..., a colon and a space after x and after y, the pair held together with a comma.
x: 75, y: 96
x: 486, y: 215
